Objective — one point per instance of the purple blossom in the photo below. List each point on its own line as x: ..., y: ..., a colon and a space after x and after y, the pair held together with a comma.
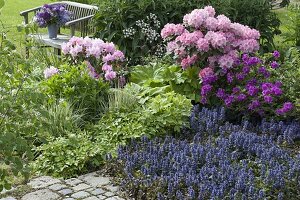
x: 229, y: 100
x: 221, y: 93
x: 252, y: 90
x: 268, y: 99
x: 52, y: 14
x: 274, y: 65
x: 205, y: 89
x: 276, y: 54
x: 241, y: 97
x: 254, y: 105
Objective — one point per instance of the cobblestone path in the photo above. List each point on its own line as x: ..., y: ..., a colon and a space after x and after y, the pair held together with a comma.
x: 90, y: 186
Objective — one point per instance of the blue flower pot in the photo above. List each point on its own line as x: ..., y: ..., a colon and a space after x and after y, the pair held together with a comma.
x: 52, y: 31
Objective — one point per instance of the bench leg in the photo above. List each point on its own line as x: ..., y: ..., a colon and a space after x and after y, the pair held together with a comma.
x: 26, y: 52
x: 57, y: 51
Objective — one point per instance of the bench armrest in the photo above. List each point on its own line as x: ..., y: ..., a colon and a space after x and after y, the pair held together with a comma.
x: 75, y: 21
x: 72, y: 23
x: 25, y: 12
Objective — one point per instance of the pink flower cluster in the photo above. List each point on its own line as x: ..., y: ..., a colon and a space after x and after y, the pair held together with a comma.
x: 206, y: 37
x: 94, y: 49
x: 49, y: 72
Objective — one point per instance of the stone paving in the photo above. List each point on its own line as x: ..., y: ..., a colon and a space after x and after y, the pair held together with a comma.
x: 90, y: 186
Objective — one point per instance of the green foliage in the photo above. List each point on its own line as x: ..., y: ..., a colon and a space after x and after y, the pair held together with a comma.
x: 74, y: 84
x: 66, y: 156
x: 138, y: 111
x: 158, y: 74
x: 115, y: 16
x: 293, y: 25
x: 289, y: 75
x: 2, y: 3
x: 14, y: 150
x: 155, y: 114
x: 56, y: 120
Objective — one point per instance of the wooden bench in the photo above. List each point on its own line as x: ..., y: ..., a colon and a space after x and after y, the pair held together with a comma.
x: 82, y: 15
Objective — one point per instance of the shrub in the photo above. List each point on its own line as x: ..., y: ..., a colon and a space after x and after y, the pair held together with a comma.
x: 66, y: 156
x: 130, y: 24
x: 77, y: 151
x: 236, y: 163
x: 75, y: 84
x: 214, y: 44
x: 289, y: 74
x: 293, y: 25
x: 246, y: 88
x: 97, y: 53
x: 16, y: 96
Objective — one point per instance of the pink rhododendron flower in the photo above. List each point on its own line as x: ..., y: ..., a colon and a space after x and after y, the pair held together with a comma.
x: 110, y: 75
x: 188, y: 61
x: 223, y: 22
x: 48, y: 72
x: 211, y: 23
x: 226, y: 61
x: 207, y: 71
x: 92, y: 71
x: 118, y: 55
x: 197, y: 18
x: 249, y: 46
x: 108, y: 58
x: 202, y: 45
x: 210, y: 10
x: 106, y: 67
x: 96, y: 51
x: 171, y: 30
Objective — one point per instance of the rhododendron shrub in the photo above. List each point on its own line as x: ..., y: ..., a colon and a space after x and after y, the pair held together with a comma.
x: 222, y: 51
x: 103, y: 59
x: 246, y: 87
x: 205, y: 39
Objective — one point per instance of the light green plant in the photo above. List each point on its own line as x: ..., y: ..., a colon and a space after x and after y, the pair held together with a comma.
x: 66, y: 156
x: 185, y: 82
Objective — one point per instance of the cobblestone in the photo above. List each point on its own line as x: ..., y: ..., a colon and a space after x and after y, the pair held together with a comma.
x: 65, y: 191
x: 81, y: 186
x: 42, y: 182
x: 91, y: 198
x: 98, y: 191
x: 8, y: 198
x: 57, y: 187
x: 80, y: 195
x: 73, y: 181
x: 90, y: 186
x: 44, y: 194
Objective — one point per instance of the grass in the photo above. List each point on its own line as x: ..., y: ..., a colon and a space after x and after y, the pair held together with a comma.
x: 10, y: 16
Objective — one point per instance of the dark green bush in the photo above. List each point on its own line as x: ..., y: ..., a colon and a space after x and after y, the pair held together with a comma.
x: 116, y: 16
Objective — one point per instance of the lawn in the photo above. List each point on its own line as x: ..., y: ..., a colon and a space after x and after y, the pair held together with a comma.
x: 11, y: 18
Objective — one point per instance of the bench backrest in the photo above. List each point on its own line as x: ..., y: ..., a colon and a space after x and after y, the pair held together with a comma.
x: 80, y: 10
